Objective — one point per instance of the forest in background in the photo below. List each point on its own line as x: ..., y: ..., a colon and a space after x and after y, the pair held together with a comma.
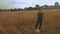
x: 55, y: 6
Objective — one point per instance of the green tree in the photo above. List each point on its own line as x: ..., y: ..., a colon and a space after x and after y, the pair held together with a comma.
x: 37, y: 6
x: 56, y: 5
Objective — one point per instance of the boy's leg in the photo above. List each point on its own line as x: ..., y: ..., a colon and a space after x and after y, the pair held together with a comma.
x: 36, y: 24
x: 37, y: 30
x: 40, y: 23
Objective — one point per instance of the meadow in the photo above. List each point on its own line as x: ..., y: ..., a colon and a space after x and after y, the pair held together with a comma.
x: 23, y: 22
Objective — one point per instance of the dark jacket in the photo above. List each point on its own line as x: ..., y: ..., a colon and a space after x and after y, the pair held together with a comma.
x: 40, y: 17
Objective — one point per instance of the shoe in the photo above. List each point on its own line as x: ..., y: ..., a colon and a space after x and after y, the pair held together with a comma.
x: 37, y: 31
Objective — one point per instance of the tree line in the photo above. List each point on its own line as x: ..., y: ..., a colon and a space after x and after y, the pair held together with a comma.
x: 55, y: 6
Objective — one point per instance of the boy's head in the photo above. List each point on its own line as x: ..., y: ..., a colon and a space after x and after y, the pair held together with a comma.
x: 39, y: 10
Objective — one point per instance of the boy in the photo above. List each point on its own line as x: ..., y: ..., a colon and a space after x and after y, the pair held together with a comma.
x: 39, y: 21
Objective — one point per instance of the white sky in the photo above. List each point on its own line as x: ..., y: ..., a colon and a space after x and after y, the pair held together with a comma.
x: 24, y: 3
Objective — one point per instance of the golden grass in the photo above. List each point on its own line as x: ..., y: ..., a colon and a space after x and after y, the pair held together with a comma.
x: 23, y: 22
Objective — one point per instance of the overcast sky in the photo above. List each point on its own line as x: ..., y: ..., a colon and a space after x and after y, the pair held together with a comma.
x: 5, y: 4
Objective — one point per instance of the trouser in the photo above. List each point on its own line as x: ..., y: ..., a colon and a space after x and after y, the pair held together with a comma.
x: 38, y: 23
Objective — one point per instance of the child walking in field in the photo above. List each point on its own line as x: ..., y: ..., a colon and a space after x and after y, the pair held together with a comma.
x: 39, y: 21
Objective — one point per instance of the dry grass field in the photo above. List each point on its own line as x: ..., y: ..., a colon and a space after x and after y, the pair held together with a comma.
x: 23, y: 22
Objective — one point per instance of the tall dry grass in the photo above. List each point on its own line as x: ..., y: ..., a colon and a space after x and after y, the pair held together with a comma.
x: 23, y: 22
